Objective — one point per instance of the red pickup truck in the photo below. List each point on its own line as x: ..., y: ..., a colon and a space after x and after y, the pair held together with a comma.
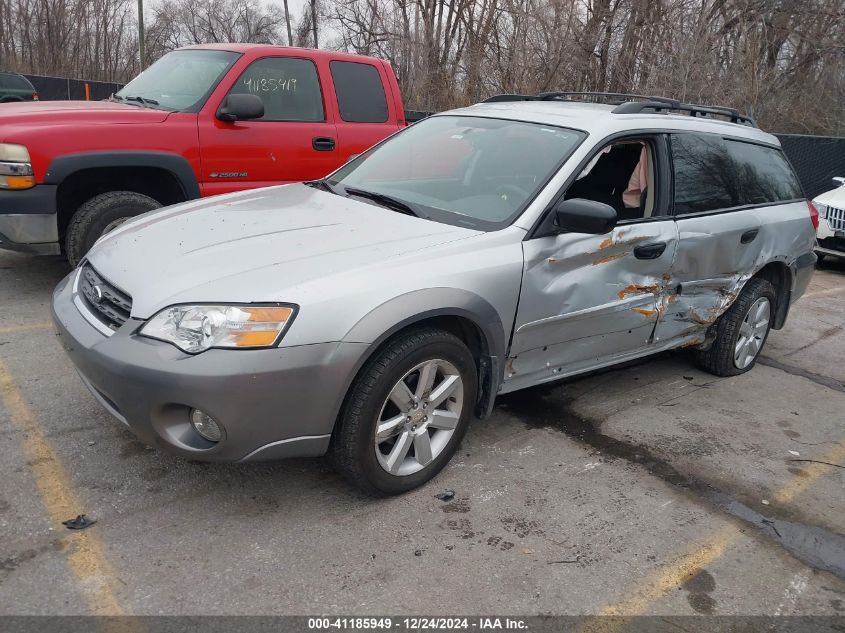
x: 201, y: 121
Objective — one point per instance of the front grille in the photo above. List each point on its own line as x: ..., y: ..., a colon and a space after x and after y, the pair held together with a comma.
x: 107, y: 303
x: 835, y: 218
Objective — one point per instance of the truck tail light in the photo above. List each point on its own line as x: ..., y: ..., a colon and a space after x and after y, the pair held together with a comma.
x: 814, y: 215
x: 35, y: 96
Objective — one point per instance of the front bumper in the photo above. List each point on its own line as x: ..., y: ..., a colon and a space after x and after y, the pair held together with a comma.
x: 829, y: 241
x: 28, y: 221
x: 833, y: 246
x: 272, y: 403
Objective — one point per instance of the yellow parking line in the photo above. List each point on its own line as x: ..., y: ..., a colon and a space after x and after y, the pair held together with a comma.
x: 705, y: 551
x: 10, y: 329
x: 85, y: 552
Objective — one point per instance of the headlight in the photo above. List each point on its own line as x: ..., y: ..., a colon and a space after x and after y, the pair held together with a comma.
x: 822, y: 209
x: 15, y: 168
x: 196, y: 328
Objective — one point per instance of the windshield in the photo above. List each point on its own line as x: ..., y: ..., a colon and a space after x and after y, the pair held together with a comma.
x: 469, y: 171
x: 180, y: 80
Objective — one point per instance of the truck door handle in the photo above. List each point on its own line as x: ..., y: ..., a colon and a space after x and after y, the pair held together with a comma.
x: 749, y: 236
x: 650, y: 251
x: 323, y: 143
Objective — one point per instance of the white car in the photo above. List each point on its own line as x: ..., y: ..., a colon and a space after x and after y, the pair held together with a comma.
x: 831, y: 233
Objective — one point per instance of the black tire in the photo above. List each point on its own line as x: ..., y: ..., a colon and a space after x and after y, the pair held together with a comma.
x: 353, y: 451
x: 719, y: 359
x: 91, y: 219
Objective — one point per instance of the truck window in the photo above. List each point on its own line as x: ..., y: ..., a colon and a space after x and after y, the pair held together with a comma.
x: 360, y: 93
x: 713, y: 173
x: 288, y: 86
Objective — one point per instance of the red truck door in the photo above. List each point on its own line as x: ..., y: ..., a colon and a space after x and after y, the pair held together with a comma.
x: 295, y: 140
x: 366, y: 94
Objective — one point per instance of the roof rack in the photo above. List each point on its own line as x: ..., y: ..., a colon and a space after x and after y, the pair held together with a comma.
x: 634, y: 104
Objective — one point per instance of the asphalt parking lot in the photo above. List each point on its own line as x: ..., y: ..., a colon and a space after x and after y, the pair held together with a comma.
x: 651, y: 489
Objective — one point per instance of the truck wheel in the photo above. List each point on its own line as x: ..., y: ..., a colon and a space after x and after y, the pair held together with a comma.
x: 101, y: 214
x: 406, y: 413
x: 741, y: 331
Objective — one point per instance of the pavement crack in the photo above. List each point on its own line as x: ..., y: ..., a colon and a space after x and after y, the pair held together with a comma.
x: 816, y: 461
x: 819, y: 379
x: 542, y: 407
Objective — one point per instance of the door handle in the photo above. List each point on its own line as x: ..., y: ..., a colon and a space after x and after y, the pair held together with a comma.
x: 749, y: 236
x: 323, y: 143
x: 650, y: 251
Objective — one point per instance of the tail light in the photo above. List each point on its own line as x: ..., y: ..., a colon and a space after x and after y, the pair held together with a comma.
x: 35, y: 96
x: 814, y: 215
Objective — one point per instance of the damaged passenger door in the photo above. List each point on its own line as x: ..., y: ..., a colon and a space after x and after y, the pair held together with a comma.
x: 721, y: 189
x: 589, y: 301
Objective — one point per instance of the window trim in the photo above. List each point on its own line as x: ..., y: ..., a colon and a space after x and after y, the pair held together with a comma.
x: 337, y: 97
x: 319, y: 85
x: 544, y: 225
x: 741, y: 207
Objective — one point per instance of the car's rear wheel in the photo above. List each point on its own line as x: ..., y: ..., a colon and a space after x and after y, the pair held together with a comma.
x: 741, y: 331
x: 406, y: 412
x: 101, y: 214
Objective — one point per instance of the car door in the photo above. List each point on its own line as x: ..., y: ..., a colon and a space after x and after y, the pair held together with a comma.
x: 719, y: 201
x: 295, y: 140
x: 594, y: 300
x: 365, y: 114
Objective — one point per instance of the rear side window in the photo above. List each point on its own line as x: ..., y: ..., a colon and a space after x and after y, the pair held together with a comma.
x: 360, y: 93
x: 288, y: 87
x: 712, y: 173
x: 15, y: 82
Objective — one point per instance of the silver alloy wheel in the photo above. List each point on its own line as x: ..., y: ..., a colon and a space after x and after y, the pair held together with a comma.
x: 419, y: 417
x: 752, y: 333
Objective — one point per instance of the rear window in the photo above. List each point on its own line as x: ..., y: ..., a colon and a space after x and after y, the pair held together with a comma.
x: 360, y: 93
x: 15, y: 82
x: 713, y: 173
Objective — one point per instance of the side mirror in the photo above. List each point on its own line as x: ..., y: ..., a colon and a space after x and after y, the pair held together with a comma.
x: 585, y: 216
x: 241, y: 108
x: 838, y: 181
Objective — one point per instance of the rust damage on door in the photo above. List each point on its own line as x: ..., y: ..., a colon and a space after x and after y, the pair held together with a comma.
x: 587, y: 298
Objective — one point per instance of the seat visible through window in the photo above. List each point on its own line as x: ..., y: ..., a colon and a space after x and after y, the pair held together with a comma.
x: 621, y: 175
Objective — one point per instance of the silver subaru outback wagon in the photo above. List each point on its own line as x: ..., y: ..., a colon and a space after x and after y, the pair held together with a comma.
x: 372, y: 314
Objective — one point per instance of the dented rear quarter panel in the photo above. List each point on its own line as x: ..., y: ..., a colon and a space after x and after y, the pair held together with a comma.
x: 713, y: 265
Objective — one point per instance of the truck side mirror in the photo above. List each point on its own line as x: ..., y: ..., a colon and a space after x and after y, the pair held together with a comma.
x: 240, y: 108
x: 578, y: 215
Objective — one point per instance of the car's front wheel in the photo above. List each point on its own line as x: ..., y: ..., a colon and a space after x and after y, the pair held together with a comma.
x: 101, y: 214
x: 741, y: 331
x: 406, y: 412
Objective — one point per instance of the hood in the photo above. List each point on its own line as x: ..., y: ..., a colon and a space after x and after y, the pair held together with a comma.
x: 77, y: 112
x: 832, y: 198
x: 256, y: 246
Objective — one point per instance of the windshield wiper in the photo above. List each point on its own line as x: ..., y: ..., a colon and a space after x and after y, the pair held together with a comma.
x: 321, y: 184
x: 385, y: 201
x: 142, y: 100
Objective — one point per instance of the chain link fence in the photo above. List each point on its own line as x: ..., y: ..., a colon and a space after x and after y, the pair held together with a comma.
x: 816, y: 160
x: 61, y: 89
